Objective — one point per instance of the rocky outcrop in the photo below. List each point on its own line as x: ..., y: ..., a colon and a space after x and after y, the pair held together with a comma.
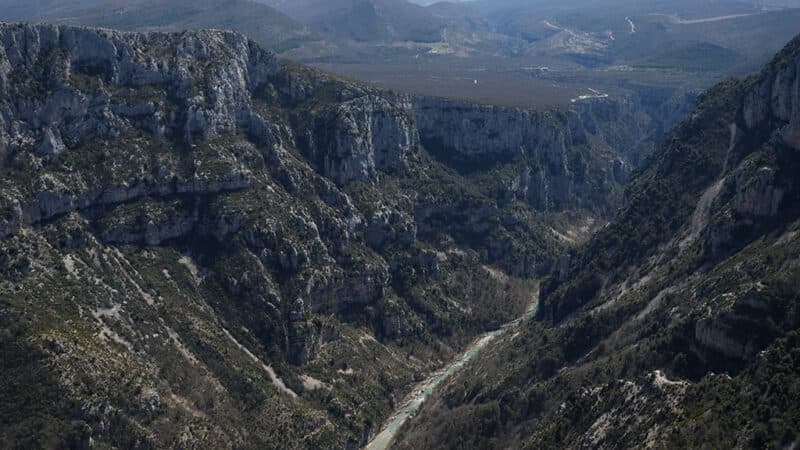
x: 335, y: 293
x: 395, y: 322
x: 752, y: 199
x: 757, y: 193
x: 49, y: 204
x: 149, y: 81
x: 52, y: 144
x: 52, y: 108
x: 389, y: 226
x: 471, y: 134
x: 207, y: 105
x: 739, y: 333
x: 532, y: 186
x: 157, y: 222
x: 305, y: 337
x: 756, y: 190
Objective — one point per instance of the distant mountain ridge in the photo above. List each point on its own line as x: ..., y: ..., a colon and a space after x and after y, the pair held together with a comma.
x: 365, y: 20
x: 260, y: 22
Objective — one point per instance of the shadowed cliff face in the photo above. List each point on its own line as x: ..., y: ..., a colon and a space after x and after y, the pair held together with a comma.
x: 677, y: 324
x: 201, y: 245
x: 566, y: 159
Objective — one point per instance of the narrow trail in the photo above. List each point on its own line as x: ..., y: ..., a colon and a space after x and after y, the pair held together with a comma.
x: 674, y: 18
x: 712, y: 19
x: 413, y: 402
x: 593, y: 95
x: 632, y: 25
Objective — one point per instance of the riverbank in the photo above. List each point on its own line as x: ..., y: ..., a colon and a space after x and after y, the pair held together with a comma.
x: 414, y: 401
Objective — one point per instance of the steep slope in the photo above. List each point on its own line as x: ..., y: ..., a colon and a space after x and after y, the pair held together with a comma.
x: 201, y: 245
x: 677, y: 325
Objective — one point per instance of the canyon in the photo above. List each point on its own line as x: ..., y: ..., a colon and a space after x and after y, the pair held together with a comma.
x: 203, y: 244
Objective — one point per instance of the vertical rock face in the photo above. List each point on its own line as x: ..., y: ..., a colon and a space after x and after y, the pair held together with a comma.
x: 387, y: 226
x: 776, y: 99
x: 738, y: 334
x: 306, y: 338
x: 629, y: 125
x: 51, y: 143
x: 758, y: 190
x: 472, y: 134
x: 532, y: 187
x: 356, y: 138
x: 757, y: 194
x: 561, y: 161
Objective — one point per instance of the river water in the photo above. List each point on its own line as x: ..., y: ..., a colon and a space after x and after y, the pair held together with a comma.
x: 417, y: 397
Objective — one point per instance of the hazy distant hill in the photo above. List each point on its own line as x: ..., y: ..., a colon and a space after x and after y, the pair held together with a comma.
x: 433, y: 2
x: 260, y: 22
x: 365, y: 20
x: 540, y: 48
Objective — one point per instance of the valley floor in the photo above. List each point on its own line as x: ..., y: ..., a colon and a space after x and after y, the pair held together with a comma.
x: 423, y: 390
